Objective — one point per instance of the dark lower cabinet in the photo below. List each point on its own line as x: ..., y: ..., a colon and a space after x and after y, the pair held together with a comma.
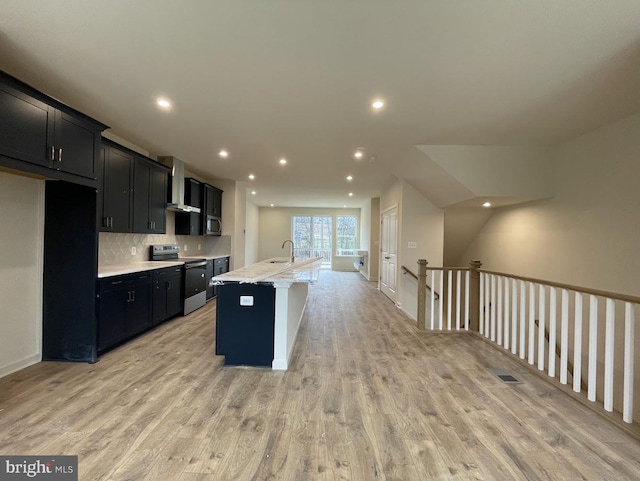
x: 124, y: 308
x: 209, y: 275
x: 167, y: 293
x: 220, y: 266
x: 245, y: 332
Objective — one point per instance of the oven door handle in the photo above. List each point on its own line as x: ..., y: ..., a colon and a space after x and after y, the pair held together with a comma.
x: 193, y: 265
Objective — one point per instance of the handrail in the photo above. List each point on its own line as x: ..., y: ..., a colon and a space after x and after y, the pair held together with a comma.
x: 408, y: 271
x: 429, y: 268
x: 560, y: 285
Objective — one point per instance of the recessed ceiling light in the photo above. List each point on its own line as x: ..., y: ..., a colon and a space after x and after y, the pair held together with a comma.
x: 486, y: 204
x: 223, y: 153
x: 163, y: 103
x: 271, y: 205
x: 350, y: 194
x: 349, y: 178
x: 358, y: 154
x: 377, y: 104
x: 344, y: 206
x: 251, y: 176
x: 253, y: 192
x: 283, y: 161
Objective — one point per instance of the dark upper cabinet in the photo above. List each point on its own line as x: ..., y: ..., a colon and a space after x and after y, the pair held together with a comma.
x: 117, y: 173
x: 212, y: 210
x: 187, y: 223
x: 75, y: 145
x: 190, y: 223
x: 193, y: 192
x: 149, y: 197
x: 24, y: 127
x: 133, y: 190
x: 45, y: 133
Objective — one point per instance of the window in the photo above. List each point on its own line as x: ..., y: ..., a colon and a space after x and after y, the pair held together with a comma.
x: 346, y: 235
x: 312, y: 237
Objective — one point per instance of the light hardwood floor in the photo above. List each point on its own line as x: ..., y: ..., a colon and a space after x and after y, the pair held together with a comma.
x: 368, y: 397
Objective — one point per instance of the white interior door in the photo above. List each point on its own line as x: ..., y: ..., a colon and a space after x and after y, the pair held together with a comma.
x: 389, y: 253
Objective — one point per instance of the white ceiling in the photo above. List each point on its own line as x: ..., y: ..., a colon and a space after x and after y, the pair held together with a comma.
x: 273, y: 78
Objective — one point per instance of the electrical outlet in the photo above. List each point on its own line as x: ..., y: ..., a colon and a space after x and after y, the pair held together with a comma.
x: 185, y: 248
x: 133, y: 250
x: 412, y: 245
x: 198, y: 246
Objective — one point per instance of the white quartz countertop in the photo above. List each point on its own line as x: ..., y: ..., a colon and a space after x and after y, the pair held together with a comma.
x: 121, y: 269
x: 270, y: 270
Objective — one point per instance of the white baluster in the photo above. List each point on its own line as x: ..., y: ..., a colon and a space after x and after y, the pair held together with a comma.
x: 627, y: 390
x: 609, y: 354
x: 564, y: 337
x: 532, y: 323
x: 514, y: 316
x: 542, y: 308
x: 553, y: 300
x: 441, y: 305
x: 467, y: 282
x: 458, y: 294
x: 506, y: 313
x: 523, y: 314
x: 499, y: 311
x: 593, y: 348
x: 449, y: 298
x: 433, y: 301
x: 481, y: 306
x: 489, y: 307
x: 577, y: 344
x: 493, y: 308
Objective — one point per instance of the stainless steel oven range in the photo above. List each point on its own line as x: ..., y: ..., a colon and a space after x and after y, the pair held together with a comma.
x: 195, y: 275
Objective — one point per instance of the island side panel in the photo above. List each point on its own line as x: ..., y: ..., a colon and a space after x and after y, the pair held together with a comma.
x: 291, y: 300
x: 245, y: 323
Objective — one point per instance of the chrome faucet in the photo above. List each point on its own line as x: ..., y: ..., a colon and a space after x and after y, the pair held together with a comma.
x: 292, y: 247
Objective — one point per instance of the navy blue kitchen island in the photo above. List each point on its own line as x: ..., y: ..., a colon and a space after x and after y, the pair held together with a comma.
x: 259, y: 309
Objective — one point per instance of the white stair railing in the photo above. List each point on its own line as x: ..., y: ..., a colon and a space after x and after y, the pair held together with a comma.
x: 514, y: 308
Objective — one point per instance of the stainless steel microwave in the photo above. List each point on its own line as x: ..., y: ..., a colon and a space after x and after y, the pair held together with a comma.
x: 213, y: 225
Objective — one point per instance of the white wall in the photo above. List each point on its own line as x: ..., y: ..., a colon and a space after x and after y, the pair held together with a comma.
x: 252, y: 234
x: 422, y: 223
x: 21, y: 261
x: 588, y: 233
x: 275, y: 228
x: 419, y: 221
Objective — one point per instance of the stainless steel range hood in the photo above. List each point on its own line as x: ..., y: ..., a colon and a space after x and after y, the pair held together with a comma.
x: 177, y: 185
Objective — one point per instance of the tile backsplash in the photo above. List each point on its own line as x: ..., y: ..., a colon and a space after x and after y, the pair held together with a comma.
x: 115, y: 248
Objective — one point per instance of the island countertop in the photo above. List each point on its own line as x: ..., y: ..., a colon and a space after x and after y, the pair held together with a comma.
x: 272, y: 270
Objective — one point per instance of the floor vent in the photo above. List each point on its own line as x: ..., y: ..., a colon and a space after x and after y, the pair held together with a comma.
x: 504, y: 375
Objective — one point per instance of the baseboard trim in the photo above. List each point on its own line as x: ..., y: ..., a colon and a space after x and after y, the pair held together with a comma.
x: 16, y: 366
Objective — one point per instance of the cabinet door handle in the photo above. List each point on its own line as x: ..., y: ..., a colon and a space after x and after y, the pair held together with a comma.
x: 60, y: 154
x: 53, y: 152
x: 105, y: 222
x: 133, y: 296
